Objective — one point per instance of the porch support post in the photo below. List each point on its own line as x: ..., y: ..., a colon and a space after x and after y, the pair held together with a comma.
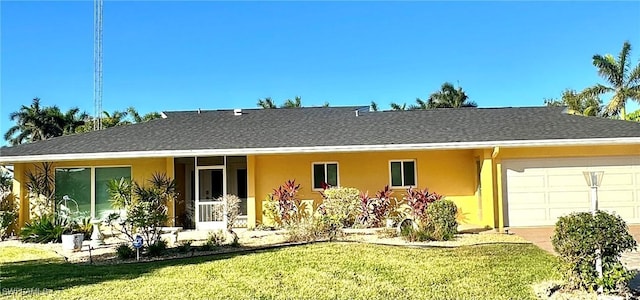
x: 252, y: 211
x: 171, y: 173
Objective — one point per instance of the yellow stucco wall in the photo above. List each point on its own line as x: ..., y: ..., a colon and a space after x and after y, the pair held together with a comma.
x: 142, y: 169
x: 451, y: 173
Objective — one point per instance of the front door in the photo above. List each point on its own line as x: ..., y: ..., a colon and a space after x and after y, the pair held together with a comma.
x: 210, y: 209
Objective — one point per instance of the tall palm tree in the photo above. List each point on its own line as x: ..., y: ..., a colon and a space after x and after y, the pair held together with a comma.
x: 450, y: 97
x: 266, y: 103
x: 622, y: 78
x: 131, y: 111
x: 33, y: 123
x: 578, y: 103
x: 296, y: 103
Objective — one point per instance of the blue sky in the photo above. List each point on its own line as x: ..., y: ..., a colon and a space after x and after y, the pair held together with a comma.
x: 211, y: 55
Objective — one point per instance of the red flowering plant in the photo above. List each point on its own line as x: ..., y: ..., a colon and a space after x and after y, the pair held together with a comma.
x: 289, y: 206
x: 418, y: 201
x: 374, y: 211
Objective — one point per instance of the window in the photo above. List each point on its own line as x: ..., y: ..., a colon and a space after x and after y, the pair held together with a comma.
x: 325, y: 173
x: 403, y: 173
x: 88, y: 188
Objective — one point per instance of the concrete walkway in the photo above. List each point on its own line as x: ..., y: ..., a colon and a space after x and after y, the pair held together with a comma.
x: 541, y: 236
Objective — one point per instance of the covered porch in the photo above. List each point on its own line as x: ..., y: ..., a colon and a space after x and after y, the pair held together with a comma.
x: 201, y: 183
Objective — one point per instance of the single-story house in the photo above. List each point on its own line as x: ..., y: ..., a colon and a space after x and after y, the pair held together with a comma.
x: 513, y: 166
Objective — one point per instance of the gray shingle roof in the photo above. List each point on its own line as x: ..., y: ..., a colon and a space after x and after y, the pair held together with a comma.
x: 334, y: 126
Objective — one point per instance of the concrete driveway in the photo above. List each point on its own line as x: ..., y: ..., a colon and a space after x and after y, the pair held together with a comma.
x: 541, y: 236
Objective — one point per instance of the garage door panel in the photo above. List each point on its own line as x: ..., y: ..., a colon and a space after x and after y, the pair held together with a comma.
x: 527, y: 181
x: 538, y: 191
x: 528, y: 199
x: 622, y: 196
x: 562, y: 180
x: 616, y: 179
x: 577, y: 197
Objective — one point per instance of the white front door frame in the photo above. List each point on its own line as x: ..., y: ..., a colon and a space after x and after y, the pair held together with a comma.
x: 200, y: 225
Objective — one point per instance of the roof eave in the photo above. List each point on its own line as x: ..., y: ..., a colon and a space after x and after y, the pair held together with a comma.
x: 321, y: 149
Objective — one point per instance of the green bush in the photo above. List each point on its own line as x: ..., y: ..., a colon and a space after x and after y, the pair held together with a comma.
x: 157, y: 249
x: 440, y: 223
x: 341, y: 204
x: 414, y: 234
x: 576, y: 238
x: 184, y: 246
x: 125, y: 251
x: 44, y: 229
x: 8, y: 209
x: 215, y: 239
x: 146, y: 206
x: 313, y: 228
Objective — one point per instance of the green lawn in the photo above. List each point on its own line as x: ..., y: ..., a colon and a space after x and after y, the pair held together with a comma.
x: 316, y: 271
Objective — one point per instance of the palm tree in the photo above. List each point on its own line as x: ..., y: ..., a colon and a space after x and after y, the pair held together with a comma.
x: 578, y: 103
x: 34, y: 123
x: 634, y: 116
x: 297, y: 103
x: 449, y: 97
x: 72, y: 120
x: 373, y: 106
x: 146, y: 117
x: 115, y: 118
x: 623, y: 81
x: 396, y: 106
x: 266, y: 103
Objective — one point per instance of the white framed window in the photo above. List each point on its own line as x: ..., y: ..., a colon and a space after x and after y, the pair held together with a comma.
x: 402, y: 173
x: 324, y: 173
x: 87, y: 186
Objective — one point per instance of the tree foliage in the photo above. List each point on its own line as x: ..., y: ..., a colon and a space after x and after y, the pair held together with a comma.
x: 37, y: 122
x: 578, y: 103
x: 622, y: 81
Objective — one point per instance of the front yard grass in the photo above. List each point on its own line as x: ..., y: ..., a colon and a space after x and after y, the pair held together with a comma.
x: 313, y: 271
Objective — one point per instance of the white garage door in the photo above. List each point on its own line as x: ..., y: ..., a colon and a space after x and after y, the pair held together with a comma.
x: 538, y: 191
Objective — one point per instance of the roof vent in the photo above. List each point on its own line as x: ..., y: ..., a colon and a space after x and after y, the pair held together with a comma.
x: 199, y: 111
x: 237, y: 112
x: 357, y: 113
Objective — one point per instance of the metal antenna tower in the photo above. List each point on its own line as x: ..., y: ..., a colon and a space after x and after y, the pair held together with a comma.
x: 97, y: 63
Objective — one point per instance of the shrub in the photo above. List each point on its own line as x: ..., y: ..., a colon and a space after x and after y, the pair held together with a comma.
x: 341, y: 204
x: 146, y: 210
x: 184, y: 246
x: 8, y: 210
x: 125, y: 251
x: 40, y: 184
x: 441, y: 224
x: 157, y: 249
x: 85, y: 227
x: 414, y: 234
x: 288, y: 208
x: 44, y: 229
x: 312, y: 229
x: 576, y: 238
x: 214, y: 239
x: 233, y: 211
x: 418, y: 201
x: 373, y: 212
